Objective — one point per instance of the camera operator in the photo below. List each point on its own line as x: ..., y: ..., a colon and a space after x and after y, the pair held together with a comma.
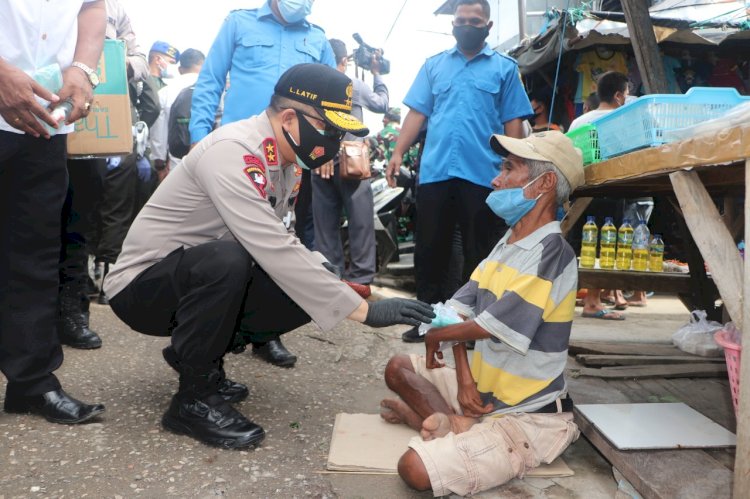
x: 331, y: 193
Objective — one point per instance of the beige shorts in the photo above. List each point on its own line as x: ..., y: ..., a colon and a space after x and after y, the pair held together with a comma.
x: 494, y: 451
x: 443, y: 378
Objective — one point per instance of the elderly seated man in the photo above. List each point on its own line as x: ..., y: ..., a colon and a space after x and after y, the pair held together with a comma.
x: 484, y: 424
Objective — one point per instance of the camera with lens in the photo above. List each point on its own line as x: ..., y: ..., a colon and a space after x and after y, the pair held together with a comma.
x: 363, y: 56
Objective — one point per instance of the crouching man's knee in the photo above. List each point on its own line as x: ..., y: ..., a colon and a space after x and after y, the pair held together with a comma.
x: 412, y: 471
x: 393, y: 371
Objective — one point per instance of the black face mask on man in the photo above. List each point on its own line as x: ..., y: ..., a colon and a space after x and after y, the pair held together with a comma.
x: 315, y: 148
x: 470, y: 37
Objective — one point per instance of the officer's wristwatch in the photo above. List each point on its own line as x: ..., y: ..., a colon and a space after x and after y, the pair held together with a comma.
x: 90, y: 73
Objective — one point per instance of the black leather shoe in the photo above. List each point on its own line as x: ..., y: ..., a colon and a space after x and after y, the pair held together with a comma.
x: 56, y: 406
x: 274, y: 352
x: 213, y: 422
x: 412, y: 336
x: 232, y: 392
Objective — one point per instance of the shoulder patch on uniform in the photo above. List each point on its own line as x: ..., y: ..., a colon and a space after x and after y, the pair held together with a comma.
x: 270, y: 151
x: 256, y: 172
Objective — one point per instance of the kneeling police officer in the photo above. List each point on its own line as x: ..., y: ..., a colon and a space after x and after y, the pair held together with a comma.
x: 213, y: 252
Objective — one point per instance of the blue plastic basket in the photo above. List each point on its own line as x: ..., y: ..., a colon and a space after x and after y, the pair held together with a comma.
x: 643, y: 122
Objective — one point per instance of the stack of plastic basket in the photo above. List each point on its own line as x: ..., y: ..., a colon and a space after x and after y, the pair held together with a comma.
x: 644, y: 122
x: 586, y: 139
x: 733, y: 354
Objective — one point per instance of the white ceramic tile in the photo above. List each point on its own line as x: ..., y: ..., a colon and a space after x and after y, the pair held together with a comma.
x: 656, y: 426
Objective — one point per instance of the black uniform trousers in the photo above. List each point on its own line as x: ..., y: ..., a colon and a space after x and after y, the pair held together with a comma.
x: 33, y: 182
x: 202, y: 296
x: 440, y: 206
x: 79, y: 216
x: 117, y: 209
x: 304, y: 225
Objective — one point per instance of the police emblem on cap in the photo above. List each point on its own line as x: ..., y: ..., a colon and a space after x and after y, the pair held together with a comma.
x: 324, y: 88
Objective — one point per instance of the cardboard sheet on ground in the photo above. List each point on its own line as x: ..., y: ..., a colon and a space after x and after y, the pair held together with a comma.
x: 656, y: 426
x: 365, y: 443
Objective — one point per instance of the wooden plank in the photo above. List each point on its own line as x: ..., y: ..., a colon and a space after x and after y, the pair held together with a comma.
x: 664, y: 474
x: 666, y: 282
x: 646, y: 50
x: 742, y: 459
x: 594, y: 360
x: 646, y: 170
x: 610, y: 348
x: 713, y: 240
x: 685, y: 473
x: 662, y: 371
x: 574, y: 213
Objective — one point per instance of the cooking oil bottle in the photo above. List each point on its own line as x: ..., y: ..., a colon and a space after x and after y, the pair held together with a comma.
x: 588, y: 243
x: 624, y: 257
x: 607, y: 242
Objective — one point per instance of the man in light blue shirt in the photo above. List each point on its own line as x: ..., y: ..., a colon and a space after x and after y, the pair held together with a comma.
x: 467, y: 93
x: 253, y: 49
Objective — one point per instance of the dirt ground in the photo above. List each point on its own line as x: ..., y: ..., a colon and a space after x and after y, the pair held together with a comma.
x: 126, y: 453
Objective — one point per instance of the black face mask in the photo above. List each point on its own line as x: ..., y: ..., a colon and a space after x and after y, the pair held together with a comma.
x: 315, y: 149
x: 470, y: 38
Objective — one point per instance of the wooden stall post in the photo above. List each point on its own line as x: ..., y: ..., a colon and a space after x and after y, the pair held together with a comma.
x: 742, y: 456
x: 712, y: 238
x: 644, y: 45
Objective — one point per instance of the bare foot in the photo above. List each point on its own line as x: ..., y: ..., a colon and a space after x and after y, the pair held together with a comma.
x: 439, y: 425
x: 396, y: 411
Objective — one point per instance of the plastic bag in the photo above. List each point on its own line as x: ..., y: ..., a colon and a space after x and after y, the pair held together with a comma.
x: 733, y: 334
x: 444, y: 316
x: 697, y: 336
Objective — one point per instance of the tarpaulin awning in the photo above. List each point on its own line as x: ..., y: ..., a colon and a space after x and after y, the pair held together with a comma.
x: 710, y: 23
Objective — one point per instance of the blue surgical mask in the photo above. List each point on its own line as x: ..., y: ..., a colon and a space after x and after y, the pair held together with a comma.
x: 294, y: 11
x: 510, y: 204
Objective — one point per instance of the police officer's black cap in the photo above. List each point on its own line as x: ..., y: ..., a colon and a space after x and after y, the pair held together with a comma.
x: 326, y: 89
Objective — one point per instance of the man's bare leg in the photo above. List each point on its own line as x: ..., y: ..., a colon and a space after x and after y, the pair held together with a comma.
x: 420, y: 397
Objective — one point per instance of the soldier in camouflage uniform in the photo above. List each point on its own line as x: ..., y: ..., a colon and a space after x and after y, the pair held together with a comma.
x: 383, y: 143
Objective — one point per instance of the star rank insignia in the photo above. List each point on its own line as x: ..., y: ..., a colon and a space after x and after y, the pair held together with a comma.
x: 256, y: 172
x: 270, y: 151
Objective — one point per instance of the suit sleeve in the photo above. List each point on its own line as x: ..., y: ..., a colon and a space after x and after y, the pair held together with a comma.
x: 375, y: 99
x: 211, y: 82
x: 248, y: 215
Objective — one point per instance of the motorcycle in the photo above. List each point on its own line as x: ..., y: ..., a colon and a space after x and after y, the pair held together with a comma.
x: 392, y: 207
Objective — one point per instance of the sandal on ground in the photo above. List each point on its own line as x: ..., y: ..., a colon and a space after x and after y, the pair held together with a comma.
x: 622, y: 306
x: 605, y: 315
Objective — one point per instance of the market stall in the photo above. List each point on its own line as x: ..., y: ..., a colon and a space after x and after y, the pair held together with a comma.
x: 688, y: 172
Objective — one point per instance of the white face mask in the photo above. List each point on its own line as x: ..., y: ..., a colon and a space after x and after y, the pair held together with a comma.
x: 294, y: 11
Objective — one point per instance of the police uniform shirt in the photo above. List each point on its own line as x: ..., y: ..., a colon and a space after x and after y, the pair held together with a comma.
x: 232, y: 185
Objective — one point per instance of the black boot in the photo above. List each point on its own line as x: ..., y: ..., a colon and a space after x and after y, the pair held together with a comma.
x: 230, y: 391
x: 73, y: 326
x: 274, y: 352
x: 197, y: 410
x: 102, y: 271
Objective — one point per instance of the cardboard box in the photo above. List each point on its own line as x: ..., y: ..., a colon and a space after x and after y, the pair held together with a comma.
x: 108, y: 129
